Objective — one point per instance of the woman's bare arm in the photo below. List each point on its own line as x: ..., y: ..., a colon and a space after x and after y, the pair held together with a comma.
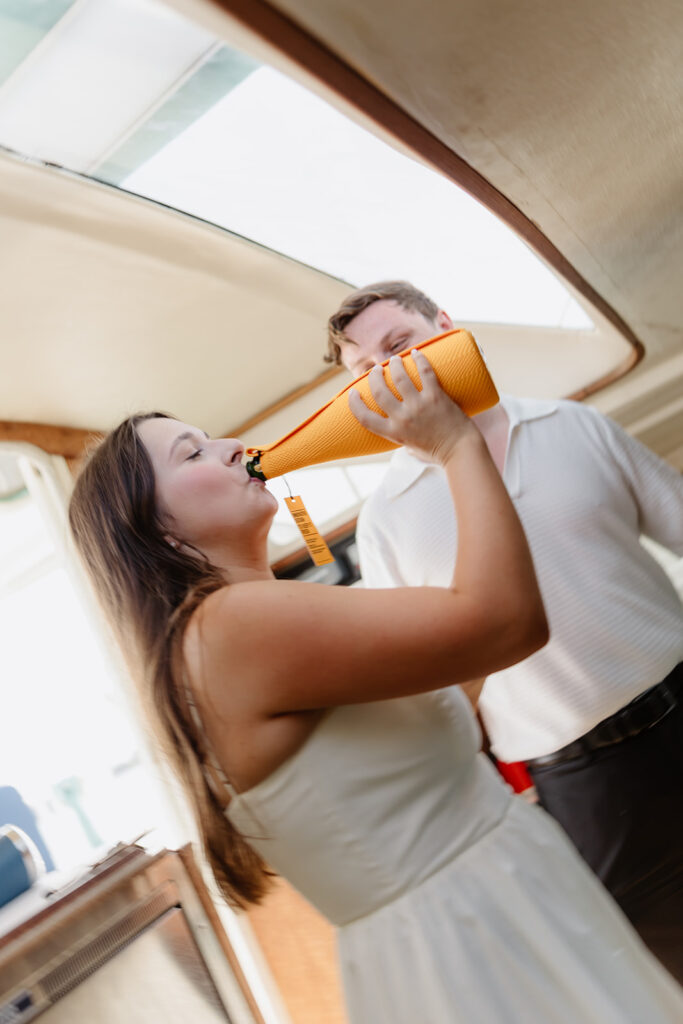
x: 275, y: 647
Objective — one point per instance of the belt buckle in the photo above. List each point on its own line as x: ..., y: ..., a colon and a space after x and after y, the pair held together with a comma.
x: 660, y: 701
x: 666, y: 697
x: 639, y: 715
x: 612, y: 730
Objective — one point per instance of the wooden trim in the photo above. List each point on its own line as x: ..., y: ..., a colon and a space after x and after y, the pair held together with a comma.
x: 299, y: 947
x: 53, y: 439
x: 315, y: 57
x: 189, y: 863
x: 632, y: 359
x: 281, y: 403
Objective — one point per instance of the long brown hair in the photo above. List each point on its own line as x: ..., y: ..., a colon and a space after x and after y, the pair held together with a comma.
x: 148, y: 591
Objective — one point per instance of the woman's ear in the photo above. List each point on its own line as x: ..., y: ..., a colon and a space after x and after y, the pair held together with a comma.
x: 171, y: 541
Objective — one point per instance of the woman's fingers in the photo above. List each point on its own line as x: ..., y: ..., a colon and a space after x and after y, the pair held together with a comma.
x: 423, y: 417
x: 381, y: 392
x: 425, y: 370
x: 366, y: 417
x: 399, y: 376
x: 426, y: 376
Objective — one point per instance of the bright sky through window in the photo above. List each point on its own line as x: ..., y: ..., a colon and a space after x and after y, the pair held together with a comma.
x: 139, y: 96
x: 276, y: 164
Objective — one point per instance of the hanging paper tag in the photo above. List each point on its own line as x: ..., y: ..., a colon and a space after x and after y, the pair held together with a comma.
x: 317, y: 548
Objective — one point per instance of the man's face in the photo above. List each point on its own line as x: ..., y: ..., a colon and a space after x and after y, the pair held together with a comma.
x: 383, y: 329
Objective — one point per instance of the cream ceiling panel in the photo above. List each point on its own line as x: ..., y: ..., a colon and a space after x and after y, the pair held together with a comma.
x: 572, y: 110
x: 111, y: 304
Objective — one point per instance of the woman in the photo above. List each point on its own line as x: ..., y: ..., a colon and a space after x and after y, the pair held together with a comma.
x: 314, y: 731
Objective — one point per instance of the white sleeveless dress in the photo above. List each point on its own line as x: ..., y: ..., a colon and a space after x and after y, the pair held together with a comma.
x: 456, y: 902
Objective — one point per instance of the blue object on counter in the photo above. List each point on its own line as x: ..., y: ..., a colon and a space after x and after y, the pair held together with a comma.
x: 15, y: 811
x: 20, y: 863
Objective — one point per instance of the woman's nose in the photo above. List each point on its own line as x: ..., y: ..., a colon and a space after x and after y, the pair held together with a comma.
x: 233, y: 450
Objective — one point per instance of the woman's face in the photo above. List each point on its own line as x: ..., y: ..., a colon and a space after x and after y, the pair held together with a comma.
x: 204, y: 494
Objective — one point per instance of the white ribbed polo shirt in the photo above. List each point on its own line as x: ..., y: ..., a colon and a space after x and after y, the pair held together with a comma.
x: 585, y: 491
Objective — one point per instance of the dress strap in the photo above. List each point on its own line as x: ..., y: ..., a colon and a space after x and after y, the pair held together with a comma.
x: 213, y: 773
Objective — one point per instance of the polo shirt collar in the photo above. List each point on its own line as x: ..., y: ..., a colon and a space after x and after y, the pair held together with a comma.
x: 405, y: 469
x: 521, y: 410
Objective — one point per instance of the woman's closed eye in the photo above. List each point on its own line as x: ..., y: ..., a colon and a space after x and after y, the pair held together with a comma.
x: 195, y: 454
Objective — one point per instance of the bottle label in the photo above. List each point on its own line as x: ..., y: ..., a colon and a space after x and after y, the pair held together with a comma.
x: 317, y: 548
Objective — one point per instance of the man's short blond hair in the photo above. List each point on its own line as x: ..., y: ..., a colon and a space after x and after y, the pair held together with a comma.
x: 401, y: 292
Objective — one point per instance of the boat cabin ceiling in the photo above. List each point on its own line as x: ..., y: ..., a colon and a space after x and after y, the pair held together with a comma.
x: 188, y: 189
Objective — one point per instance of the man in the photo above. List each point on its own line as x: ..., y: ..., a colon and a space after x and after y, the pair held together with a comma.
x: 597, y: 715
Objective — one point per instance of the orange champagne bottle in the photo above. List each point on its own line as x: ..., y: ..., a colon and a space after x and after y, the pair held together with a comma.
x: 333, y: 432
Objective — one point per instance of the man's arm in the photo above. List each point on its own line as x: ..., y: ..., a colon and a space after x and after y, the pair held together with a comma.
x: 657, y: 487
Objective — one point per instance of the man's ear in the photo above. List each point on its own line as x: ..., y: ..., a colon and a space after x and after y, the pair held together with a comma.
x: 444, y: 321
x: 344, y: 353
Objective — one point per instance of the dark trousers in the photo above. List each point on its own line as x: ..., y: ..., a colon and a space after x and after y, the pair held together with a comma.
x: 622, y: 806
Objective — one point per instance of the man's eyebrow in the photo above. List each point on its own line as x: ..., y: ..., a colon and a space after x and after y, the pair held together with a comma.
x: 187, y: 435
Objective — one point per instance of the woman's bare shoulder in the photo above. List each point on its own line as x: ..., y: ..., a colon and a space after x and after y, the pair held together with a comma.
x: 227, y: 662
x: 226, y: 636
x: 226, y: 614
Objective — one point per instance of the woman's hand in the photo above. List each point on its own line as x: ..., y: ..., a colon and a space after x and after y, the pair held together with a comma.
x: 427, y: 421
x: 406, y: 640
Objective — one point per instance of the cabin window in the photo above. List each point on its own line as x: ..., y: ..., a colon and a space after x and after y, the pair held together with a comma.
x: 75, y: 771
x: 137, y: 96
x: 333, y: 493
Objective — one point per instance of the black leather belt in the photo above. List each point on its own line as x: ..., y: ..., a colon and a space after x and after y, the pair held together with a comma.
x: 640, y: 714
